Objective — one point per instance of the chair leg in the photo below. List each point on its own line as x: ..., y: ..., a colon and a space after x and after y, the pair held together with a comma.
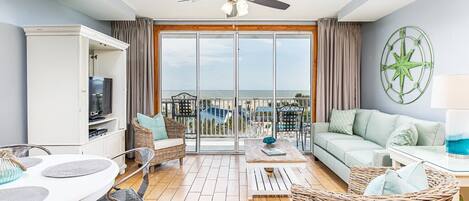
x: 181, y: 161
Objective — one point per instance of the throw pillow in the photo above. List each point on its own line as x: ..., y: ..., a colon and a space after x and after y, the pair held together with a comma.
x: 411, y: 178
x: 404, y: 135
x: 341, y: 121
x: 155, y: 124
x: 389, y: 184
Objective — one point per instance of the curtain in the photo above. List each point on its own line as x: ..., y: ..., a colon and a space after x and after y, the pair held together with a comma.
x: 338, y: 73
x: 140, y: 69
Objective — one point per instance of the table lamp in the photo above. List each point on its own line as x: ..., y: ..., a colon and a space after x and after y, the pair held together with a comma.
x: 451, y: 92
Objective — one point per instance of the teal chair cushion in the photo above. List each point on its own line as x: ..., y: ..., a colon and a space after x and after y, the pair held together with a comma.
x: 341, y: 121
x: 361, y: 121
x: 380, y: 127
x: 155, y: 124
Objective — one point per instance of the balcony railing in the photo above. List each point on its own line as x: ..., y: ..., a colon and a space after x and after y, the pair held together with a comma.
x: 255, y: 117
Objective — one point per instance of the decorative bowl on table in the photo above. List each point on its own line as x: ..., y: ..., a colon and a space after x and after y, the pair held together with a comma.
x: 269, y: 142
x: 10, y: 168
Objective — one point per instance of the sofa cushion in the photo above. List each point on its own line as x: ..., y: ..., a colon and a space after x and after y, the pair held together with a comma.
x: 166, y: 143
x: 338, y: 148
x: 380, y: 127
x: 342, y: 121
x: 361, y: 121
x: 430, y: 133
x: 361, y: 158
x: 321, y: 139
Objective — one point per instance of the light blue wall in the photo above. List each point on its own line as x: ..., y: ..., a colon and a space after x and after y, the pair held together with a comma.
x: 447, y: 25
x: 13, y: 15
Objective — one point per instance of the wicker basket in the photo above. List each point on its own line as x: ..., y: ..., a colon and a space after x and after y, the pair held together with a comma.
x: 442, y: 187
x: 144, y: 138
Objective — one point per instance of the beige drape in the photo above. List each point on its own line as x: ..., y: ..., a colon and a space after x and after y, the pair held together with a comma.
x: 140, y: 68
x: 338, y: 84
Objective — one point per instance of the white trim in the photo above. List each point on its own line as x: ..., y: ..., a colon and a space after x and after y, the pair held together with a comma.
x: 74, y: 30
x: 234, y: 22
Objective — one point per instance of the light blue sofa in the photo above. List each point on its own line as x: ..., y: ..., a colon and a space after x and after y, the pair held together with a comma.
x: 367, y: 146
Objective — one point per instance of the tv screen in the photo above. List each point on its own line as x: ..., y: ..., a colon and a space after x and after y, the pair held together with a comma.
x: 100, y: 97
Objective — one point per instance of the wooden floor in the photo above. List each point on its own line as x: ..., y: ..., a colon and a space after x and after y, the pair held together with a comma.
x: 219, y: 178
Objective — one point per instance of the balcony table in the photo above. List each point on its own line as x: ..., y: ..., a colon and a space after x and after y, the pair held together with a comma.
x: 89, y: 187
x: 434, y: 157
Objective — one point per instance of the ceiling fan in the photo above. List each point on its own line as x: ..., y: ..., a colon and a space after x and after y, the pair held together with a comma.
x: 236, y: 8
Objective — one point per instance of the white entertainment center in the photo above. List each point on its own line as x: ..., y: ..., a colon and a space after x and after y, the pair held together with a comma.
x: 58, y: 71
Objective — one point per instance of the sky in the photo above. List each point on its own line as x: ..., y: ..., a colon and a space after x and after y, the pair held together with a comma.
x: 217, y: 63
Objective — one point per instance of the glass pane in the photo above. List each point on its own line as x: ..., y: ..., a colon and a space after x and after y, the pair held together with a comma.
x: 178, y: 74
x: 216, y: 92
x: 255, y: 86
x: 293, y: 83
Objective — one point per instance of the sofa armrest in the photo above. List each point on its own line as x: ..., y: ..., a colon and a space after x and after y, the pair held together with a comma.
x: 320, y: 127
x: 381, y: 158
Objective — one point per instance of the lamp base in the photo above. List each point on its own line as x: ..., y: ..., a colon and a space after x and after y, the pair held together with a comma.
x: 457, y: 133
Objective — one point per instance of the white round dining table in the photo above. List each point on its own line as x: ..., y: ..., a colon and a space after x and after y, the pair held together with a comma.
x: 87, y: 188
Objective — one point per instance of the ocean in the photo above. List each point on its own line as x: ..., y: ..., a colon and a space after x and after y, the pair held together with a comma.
x: 242, y: 93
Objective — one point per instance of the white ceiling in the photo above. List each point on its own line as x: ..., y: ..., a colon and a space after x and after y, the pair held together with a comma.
x: 210, y: 10
x: 370, y: 10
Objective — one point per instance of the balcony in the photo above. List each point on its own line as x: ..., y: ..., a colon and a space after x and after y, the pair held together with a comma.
x: 255, y: 120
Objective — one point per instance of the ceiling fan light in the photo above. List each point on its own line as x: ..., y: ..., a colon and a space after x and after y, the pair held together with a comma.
x: 242, y: 7
x: 227, y: 8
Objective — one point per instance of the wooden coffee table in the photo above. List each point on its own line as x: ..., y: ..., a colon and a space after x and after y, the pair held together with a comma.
x: 271, y: 175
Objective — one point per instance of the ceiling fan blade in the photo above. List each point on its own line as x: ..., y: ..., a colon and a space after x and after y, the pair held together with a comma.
x: 272, y: 3
x: 233, y: 13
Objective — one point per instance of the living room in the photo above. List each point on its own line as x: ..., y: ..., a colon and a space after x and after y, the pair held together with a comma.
x: 233, y: 100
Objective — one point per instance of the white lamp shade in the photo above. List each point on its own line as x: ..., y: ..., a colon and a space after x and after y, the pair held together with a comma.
x: 450, y: 92
x: 227, y: 8
x: 242, y: 7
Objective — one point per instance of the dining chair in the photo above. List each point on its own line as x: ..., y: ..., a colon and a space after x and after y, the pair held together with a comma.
x: 118, y: 194
x: 21, y: 150
x: 290, y: 120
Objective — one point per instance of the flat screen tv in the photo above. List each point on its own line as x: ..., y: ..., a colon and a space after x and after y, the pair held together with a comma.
x: 100, y: 97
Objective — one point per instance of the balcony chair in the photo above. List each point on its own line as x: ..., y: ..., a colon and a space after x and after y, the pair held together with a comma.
x: 165, y: 150
x: 442, y: 187
x: 129, y: 194
x: 21, y: 150
x: 290, y: 120
x: 183, y: 109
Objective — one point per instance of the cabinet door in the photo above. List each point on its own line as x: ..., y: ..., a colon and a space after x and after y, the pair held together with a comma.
x: 94, y: 148
x: 114, y: 145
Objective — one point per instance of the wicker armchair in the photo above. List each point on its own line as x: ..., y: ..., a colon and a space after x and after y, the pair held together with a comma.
x: 442, y: 187
x: 173, y: 151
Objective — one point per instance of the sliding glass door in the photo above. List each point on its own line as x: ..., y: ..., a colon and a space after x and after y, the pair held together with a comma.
x: 216, y: 92
x: 239, y: 79
x: 256, y: 86
x: 179, y: 74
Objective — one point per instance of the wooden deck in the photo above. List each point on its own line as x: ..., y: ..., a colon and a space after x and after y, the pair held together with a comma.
x: 220, y: 178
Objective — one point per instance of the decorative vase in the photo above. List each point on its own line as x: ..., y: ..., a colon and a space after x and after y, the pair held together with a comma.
x: 269, y: 142
x: 10, y: 168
